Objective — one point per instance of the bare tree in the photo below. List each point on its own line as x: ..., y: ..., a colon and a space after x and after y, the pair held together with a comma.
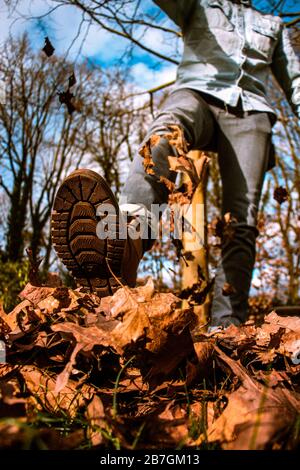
x: 37, y: 138
x: 116, y: 124
x: 279, y: 243
x: 128, y: 19
x: 41, y: 142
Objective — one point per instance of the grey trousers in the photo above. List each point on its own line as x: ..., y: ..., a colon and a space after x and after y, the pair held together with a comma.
x: 243, y: 144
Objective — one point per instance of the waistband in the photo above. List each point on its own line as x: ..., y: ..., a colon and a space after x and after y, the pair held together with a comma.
x: 235, y: 110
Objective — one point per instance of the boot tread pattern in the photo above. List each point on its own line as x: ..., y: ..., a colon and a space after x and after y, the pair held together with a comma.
x: 73, y: 228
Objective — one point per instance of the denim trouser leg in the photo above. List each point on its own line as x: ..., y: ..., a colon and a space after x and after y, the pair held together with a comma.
x: 243, y: 150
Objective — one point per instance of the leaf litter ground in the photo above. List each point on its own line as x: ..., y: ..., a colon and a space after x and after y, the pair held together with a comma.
x: 134, y: 370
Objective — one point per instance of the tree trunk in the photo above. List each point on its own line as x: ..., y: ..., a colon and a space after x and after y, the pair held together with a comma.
x: 16, y: 222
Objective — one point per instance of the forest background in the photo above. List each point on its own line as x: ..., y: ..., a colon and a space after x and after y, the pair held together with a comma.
x: 115, y: 57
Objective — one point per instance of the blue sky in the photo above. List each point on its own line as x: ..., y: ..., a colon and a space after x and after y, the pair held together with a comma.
x: 99, y: 46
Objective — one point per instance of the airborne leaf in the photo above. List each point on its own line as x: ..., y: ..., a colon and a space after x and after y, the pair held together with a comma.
x: 48, y: 48
x: 65, y: 97
x: 228, y: 289
x: 280, y: 194
x: 72, y: 80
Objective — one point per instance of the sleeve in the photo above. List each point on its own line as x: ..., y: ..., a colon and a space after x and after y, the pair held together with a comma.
x: 286, y: 69
x: 177, y: 10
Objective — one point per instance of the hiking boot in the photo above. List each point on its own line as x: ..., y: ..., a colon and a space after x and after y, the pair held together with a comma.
x: 99, y: 265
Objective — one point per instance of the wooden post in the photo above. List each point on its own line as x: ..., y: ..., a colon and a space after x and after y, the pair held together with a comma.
x: 197, y: 218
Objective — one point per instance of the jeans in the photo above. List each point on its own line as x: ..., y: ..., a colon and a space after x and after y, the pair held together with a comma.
x: 242, y: 141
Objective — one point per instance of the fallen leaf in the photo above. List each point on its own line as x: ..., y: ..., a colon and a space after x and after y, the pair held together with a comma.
x: 255, y: 416
x: 88, y: 337
x: 272, y: 378
x: 53, y: 280
x: 96, y: 421
x: 35, y: 294
x: 11, y: 405
x: 4, y: 321
x: 266, y: 357
x: 63, y: 377
x: 171, y: 426
x: 12, y: 319
x: 269, y: 335
x: 198, y: 366
x: 41, y: 386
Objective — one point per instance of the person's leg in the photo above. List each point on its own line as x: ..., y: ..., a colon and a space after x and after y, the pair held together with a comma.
x: 243, y: 156
x: 101, y: 258
x: 187, y: 109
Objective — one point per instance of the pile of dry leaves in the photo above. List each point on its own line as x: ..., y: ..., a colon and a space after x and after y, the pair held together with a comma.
x: 132, y: 371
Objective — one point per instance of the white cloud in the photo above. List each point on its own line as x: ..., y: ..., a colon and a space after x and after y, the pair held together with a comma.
x: 155, y: 39
x: 144, y: 77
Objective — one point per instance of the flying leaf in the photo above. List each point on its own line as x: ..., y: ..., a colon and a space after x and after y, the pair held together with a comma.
x: 228, y: 289
x: 280, y: 194
x: 48, y: 48
x: 177, y: 139
x: 145, y: 152
x: 169, y: 184
x: 72, y: 80
x: 65, y: 97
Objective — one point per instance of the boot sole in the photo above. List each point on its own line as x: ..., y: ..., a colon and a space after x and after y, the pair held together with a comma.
x: 95, y: 263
